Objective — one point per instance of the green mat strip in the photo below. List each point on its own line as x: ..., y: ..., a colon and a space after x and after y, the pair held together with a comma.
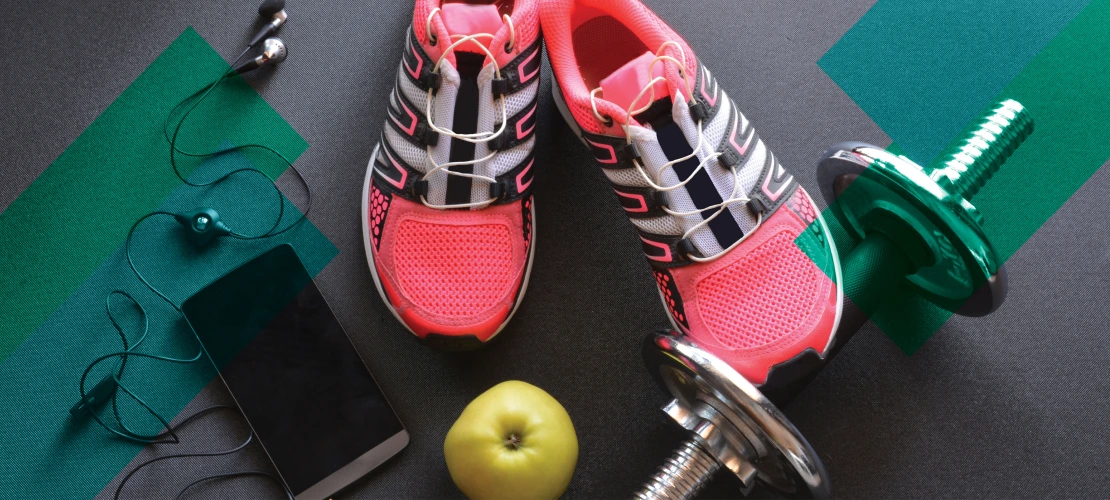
x: 1066, y: 89
x: 46, y: 453
x: 921, y: 69
x: 63, y: 253
x: 77, y: 212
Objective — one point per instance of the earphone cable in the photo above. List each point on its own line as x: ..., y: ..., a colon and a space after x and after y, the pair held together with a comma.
x: 113, y: 383
x: 196, y: 99
x: 115, y: 378
x: 131, y: 262
x: 237, y: 448
x: 228, y: 475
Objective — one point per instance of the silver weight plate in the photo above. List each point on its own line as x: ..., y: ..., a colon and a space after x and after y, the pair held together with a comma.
x: 784, y: 459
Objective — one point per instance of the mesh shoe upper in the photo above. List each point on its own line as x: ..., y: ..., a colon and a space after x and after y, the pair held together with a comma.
x: 448, y: 204
x: 738, y: 251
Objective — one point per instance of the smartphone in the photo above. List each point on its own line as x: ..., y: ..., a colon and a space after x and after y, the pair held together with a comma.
x: 308, y: 396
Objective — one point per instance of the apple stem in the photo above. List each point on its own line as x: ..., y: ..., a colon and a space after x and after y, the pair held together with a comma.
x: 513, y: 442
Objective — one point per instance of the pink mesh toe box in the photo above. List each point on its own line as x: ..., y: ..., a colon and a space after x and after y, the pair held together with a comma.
x: 453, y: 272
x: 762, y: 297
x: 762, y: 303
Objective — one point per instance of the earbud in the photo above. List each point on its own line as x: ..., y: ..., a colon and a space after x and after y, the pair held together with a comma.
x: 271, y: 7
x: 274, y: 9
x: 98, y: 395
x: 202, y: 225
x: 273, y: 52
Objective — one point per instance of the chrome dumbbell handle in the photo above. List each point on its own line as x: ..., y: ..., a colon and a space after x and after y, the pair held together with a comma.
x: 682, y: 476
x: 733, y: 427
x: 983, y: 150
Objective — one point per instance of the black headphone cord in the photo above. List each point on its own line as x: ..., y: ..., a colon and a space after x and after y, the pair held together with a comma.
x: 235, y: 449
x: 113, y: 383
x: 196, y: 99
x: 110, y: 384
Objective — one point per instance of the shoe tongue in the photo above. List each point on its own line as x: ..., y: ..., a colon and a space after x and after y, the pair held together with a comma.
x: 622, y: 87
x: 470, y: 19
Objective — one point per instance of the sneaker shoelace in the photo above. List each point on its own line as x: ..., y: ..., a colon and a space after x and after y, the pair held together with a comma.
x: 477, y: 137
x: 656, y: 183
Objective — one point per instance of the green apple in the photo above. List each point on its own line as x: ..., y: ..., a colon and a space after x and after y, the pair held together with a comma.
x: 513, y: 441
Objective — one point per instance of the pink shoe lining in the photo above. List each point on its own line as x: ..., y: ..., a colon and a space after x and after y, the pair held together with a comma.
x: 625, y: 84
x: 526, y: 23
x: 468, y: 19
x: 561, y: 18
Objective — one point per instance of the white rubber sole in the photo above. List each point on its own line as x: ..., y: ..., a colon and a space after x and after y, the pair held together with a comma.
x: 368, y: 244
x: 839, y: 278
x: 564, y: 111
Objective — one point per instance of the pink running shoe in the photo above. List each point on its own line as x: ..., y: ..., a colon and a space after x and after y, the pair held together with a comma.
x: 728, y: 233
x: 447, y: 211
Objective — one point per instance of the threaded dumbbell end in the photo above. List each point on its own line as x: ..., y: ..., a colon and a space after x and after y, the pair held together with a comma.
x: 983, y: 151
x: 682, y: 475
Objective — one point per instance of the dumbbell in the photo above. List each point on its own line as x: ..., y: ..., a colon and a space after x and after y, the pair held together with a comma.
x: 900, y: 221
x: 900, y: 216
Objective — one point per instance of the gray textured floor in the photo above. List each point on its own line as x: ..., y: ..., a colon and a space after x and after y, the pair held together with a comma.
x: 1007, y: 406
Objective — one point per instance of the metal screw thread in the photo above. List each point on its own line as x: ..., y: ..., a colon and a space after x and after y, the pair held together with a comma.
x: 983, y: 150
x: 683, y: 474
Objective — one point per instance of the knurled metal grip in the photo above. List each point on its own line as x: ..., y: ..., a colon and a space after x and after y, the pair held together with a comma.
x: 683, y: 475
x: 980, y: 153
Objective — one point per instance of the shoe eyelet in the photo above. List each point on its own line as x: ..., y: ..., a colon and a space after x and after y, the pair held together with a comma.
x: 698, y: 110
x: 687, y: 249
x: 756, y: 206
x: 432, y: 80
x: 726, y: 160
x: 498, y: 190
x: 499, y: 143
x: 660, y: 199
x: 500, y: 87
x: 632, y: 152
x: 508, y: 47
x: 608, y: 121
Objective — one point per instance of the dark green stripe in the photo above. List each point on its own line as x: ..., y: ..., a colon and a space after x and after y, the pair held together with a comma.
x: 46, y: 453
x: 78, y: 211
x: 921, y: 69
x: 1066, y: 89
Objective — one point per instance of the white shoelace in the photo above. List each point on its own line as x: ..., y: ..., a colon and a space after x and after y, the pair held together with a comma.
x: 656, y: 183
x: 477, y: 137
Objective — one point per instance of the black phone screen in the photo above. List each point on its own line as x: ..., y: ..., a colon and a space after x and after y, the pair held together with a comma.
x: 291, y: 368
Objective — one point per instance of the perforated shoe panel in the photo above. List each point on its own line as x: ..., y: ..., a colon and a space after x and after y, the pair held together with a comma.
x: 762, y: 297
x: 454, y: 271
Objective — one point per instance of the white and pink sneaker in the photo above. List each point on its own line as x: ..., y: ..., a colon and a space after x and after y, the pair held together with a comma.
x: 448, y: 216
x: 730, y: 235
